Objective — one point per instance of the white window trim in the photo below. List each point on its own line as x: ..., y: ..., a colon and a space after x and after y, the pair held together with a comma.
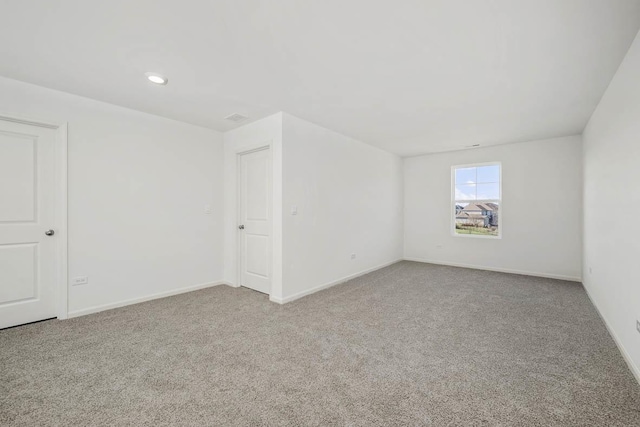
x: 453, y: 201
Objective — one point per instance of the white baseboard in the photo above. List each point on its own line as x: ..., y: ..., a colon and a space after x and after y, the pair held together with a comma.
x: 330, y: 284
x: 103, y: 307
x: 500, y: 270
x: 635, y: 370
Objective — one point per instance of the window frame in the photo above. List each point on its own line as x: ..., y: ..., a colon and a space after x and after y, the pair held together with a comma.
x: 454, y: 200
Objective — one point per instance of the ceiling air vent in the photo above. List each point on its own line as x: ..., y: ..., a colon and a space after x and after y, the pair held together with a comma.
x: 235, y: 117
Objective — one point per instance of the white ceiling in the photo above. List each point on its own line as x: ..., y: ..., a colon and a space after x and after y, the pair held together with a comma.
x: 410, y: 76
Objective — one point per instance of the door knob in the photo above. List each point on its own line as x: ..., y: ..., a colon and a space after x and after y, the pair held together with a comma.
x: 241, y: 227
x: 49, y: 232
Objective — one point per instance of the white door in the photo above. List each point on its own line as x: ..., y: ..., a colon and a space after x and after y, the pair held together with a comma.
x: 254, y: 222
x: 27, y: 213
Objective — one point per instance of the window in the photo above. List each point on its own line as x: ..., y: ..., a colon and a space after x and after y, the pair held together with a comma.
x: 477, y: 196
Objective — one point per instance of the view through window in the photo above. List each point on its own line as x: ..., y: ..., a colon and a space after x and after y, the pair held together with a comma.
x: 477, y: 199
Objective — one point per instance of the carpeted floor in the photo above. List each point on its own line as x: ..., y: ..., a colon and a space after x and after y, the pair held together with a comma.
x: 411, y: 344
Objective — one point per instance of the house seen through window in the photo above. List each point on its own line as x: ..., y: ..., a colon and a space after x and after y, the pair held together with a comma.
x: 476, y: 200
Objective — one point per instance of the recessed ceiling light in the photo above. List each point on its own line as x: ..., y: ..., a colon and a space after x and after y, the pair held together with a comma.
x: 157, y: 78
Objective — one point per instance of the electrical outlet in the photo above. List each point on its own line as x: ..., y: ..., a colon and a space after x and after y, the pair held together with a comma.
x: 638, y: 325
x: 294, y: 210
x: 353, y: 256
x: 80, y: 280
x: 207, y: 209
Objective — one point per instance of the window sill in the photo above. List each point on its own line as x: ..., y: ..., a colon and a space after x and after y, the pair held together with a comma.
x: 476, y: 236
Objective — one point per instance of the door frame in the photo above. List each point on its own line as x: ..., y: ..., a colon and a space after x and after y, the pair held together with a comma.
x: 239, y: 154
x: 60, y: 222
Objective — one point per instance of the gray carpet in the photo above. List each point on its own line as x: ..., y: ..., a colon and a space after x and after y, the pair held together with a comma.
x: 411, y: 344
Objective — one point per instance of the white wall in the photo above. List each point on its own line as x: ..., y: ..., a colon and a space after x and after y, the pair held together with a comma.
x: 611, y: 198
x: 349, y: 200
x: 542, y: 184
x: 138, y: 185
x: 267, y: 131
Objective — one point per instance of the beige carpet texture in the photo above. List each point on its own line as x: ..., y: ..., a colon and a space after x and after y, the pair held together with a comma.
x: 408, y: 345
